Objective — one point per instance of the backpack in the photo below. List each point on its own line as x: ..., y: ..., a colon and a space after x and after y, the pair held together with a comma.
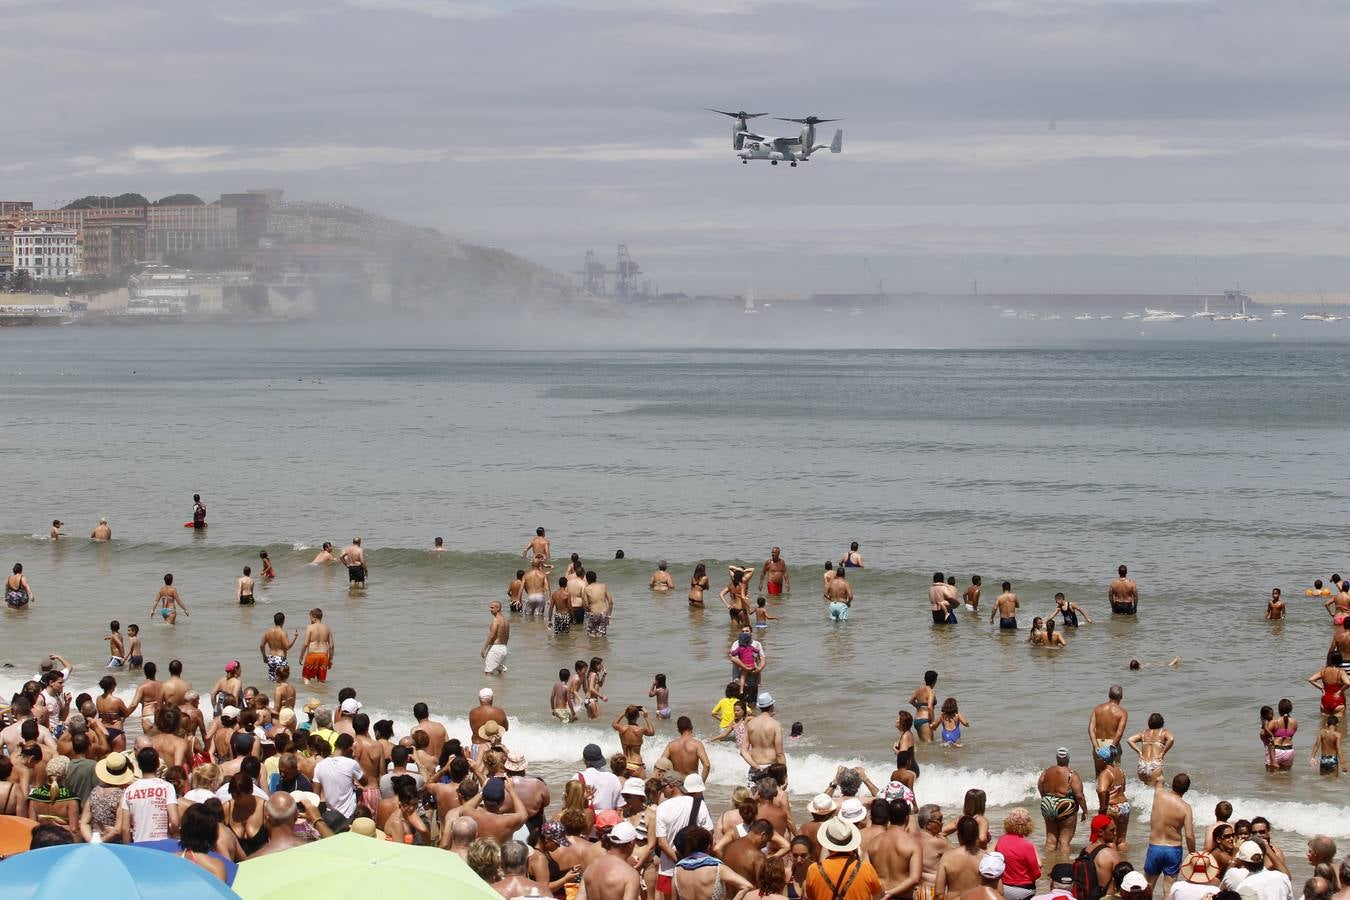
x: 1086, y: 885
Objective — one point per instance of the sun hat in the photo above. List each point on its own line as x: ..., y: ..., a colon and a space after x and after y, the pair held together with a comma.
x: 1250, y: 851
x: 623, y: 833
x: 1134, y: 881
x: 822, y: 805
x: 312, y: 705
x: 592, y: 755
x: 366, y: 828
x: 993, y: 865
x: 1200, y: 868
x: 491, y: 731
x: 307, y: 796
x: 116, y: 770
x: 839, y: 836
x: 286, y: 717
x: 765, y: 700
x: 634, y: 787
x: 693, y: 783
x: 851, y: 809
x: 515, y: 762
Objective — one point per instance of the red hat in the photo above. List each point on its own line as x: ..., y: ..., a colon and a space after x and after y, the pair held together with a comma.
x: 607, y: 818
x: 1099, y: 822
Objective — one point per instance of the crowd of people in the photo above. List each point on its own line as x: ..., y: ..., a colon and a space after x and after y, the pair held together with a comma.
x: 241, y: 771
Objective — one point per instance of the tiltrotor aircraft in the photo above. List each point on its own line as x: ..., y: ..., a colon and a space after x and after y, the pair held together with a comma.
x: 791, y: 150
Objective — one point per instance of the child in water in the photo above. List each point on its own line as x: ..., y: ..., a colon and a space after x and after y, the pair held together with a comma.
x: 662, y: 695
x: 762, y: 617
x: 134, y: 657
x: 951, y: 723
x: 1326, y: 750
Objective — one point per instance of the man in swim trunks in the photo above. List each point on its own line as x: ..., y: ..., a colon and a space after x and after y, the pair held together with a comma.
x: 101, y: 532
x: 1005, y: 607
x: 972, y: 595
x: 498, y: 636
x: 513, y: 591
x: 535, y: 585
x: 1170, y: 823
x: 198, y: 512
x: 538, y: 545
x: 561, y: 699
x: 777, y: 572
x: 559, y: 609
x: 576, y: 593
x: 1106, y: 728
x: 599, y: 606
x: 1061, y: 793
x: 839, y: 596
x: 274, y: 646
x: 938, y: 603
x: 1124, y: 596
x: 319, y: 648
x: 244, y: 589
x: 167, y: 602
x: 354, y: 558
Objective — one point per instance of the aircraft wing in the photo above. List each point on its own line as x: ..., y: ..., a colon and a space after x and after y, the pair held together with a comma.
x: 751, y: 136
x: 784, y: 144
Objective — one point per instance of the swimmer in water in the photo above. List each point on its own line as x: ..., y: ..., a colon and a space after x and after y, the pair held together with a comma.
x: 1053, y: 638
x: 1037, y: 635
x: 1136, y: 665
x: 243, y: 591
x: 661, y: 693
x: 852, y: 559
x: 267, y: 571
x: 438, y: 545
x: 1275, y: 607
x: 168, y: 602
x: 55, y: 533
x: 661, y: 580
x: 1317, y: 590
x: 324, y: 556
x: 1070, y: 612
x: 1123, y: 594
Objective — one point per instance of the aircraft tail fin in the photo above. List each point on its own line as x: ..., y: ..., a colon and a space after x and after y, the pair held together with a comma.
x: 837, y: 145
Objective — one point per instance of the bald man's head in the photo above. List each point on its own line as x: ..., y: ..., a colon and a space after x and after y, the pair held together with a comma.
x: 463, y: 831
x: 281, y: 810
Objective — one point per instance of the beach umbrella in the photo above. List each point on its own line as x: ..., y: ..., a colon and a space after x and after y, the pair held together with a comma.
x: 107, y: 870
x: 15, y: 834
x: 351, y: 865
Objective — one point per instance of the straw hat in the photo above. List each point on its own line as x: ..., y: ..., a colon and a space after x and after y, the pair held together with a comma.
x: 117, y: 770
x: 491, y: 731
x: 366, y: 828
x: 1200, y: 868
x: 839, y: 836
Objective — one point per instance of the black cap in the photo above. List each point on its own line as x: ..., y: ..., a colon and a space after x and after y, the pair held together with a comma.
x: 1062, y: 873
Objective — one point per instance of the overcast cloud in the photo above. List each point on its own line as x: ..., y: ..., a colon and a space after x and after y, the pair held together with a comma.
x: 1025, y: 144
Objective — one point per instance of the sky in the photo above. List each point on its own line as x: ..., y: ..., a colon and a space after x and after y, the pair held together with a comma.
x: 998, y: 145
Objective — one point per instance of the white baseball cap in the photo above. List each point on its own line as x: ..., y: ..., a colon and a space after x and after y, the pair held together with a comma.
x: 993, y: 865
x: 623, y: 833
x: 1134, y: 881
x: 351, y: 706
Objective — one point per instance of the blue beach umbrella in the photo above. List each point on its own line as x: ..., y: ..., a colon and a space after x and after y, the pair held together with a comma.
x: 106, y: 870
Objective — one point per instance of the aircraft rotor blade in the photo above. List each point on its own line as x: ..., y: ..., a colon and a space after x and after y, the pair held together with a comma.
x: 809, y: 120
x: 736, y: 115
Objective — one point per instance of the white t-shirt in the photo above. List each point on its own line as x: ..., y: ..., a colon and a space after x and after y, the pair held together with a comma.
x: 671, y: 816
x: 337, y: 777
x: 1184, y: 890
x: 147, y: 802
x: 607, y: 787
x: 1267, y: 884
x: 223, y: 792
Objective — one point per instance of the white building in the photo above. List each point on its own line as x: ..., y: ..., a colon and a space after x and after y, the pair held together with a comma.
x: 46, y: 251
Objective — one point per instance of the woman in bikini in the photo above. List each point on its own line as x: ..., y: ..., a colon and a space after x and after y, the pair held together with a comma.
x: 735, y: 596
x: 53, y: 803
x: 698, y: 584
x: 112, y: 712
x: 1282, y: 729
x: 1331, y: 680
x: 904, y: 749
x: 10, y: 792
x: 1111, y: 799
x: 1152, y: 745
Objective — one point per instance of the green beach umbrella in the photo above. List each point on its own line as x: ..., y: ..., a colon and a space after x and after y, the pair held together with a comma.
x: 351, y: 865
